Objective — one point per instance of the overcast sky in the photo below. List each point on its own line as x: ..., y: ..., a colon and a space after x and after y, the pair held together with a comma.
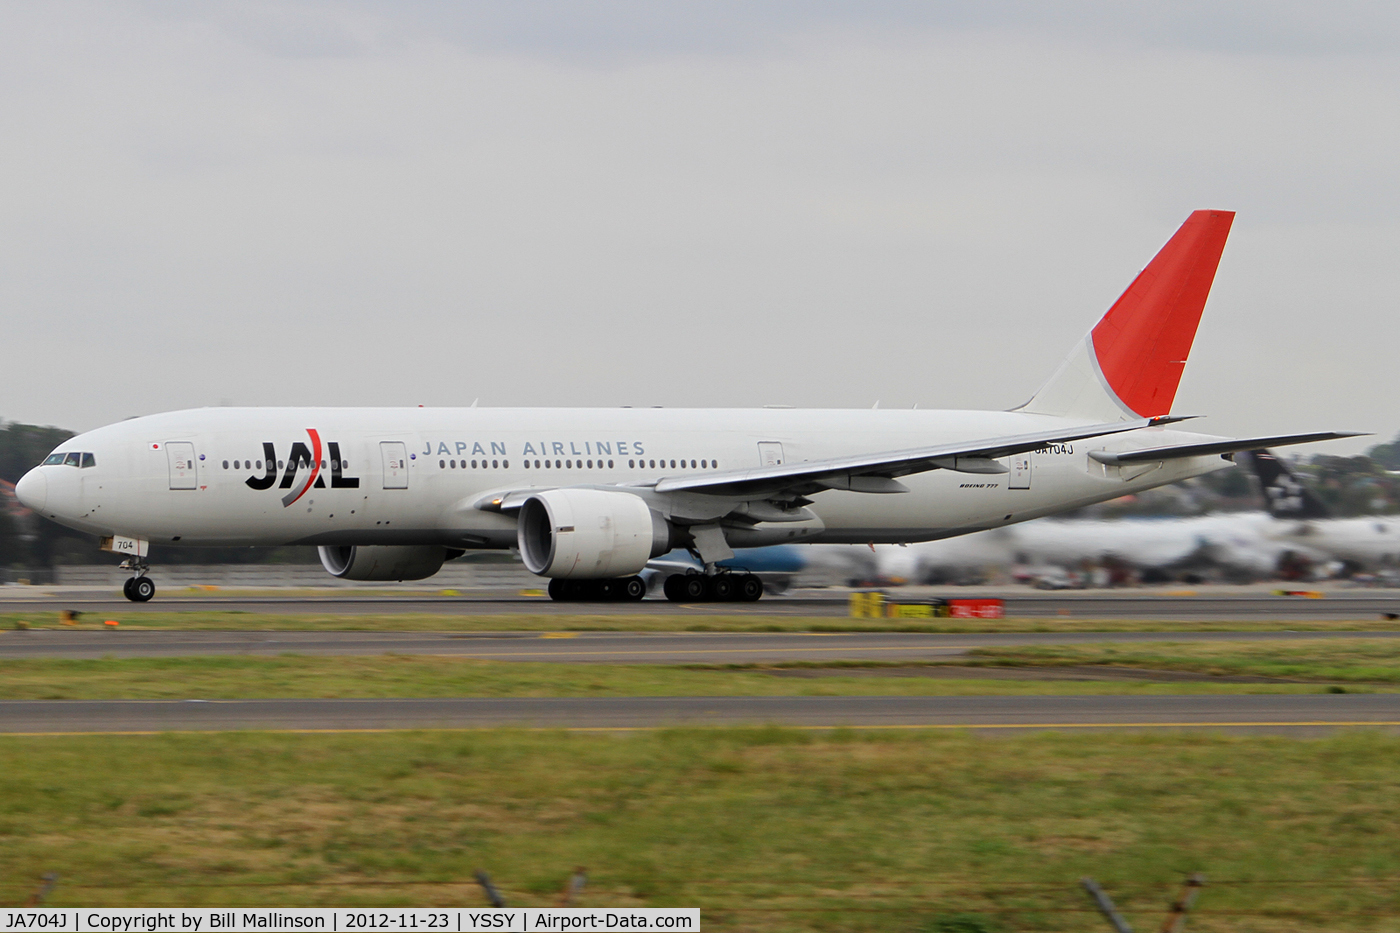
x: 687, y: 204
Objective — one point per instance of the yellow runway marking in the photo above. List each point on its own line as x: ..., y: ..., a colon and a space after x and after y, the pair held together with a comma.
x: 713, y: 725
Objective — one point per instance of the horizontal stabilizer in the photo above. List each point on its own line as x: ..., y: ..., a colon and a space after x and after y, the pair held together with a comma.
x: 1217, y: 447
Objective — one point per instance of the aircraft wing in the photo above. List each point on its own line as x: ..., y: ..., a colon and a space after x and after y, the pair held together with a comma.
x: 873, y: 473
x: 876, y: 473
x: 1217, y: 447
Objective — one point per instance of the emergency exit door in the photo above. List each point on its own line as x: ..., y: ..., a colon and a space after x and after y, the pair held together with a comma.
x: 395, y: 457
x: 183, y: 474
x: 770, y: 453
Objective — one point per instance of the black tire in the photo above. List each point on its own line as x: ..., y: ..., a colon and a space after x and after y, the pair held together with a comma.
x: 694, y: 589
x: 142, y: 589
x: 632, y: 589
x: 721, y: 587
x: 749, y: 589
x: 126, y: 588
x: 559, y: 591
x: 673, y: 588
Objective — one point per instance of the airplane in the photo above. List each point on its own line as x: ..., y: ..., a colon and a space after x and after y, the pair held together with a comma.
x: 590, y: 496
x: 1304, y: 521
x: 1237, y: 543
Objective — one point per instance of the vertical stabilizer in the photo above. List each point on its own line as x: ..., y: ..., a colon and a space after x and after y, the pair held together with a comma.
x: 1284, y: 494
x: 1130, y: 364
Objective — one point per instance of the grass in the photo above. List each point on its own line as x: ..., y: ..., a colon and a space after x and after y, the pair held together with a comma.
x: 378, y: 676
x: 1349, y: 660
x: 686, y: 619
x: 762, y: 828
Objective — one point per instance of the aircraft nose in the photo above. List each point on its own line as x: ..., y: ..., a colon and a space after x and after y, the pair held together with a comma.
x: 32, y: 490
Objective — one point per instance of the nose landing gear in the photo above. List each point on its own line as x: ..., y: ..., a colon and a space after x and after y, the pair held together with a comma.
x: 139, y: 588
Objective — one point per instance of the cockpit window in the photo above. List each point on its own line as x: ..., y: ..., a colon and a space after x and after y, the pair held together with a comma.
x: 71, y: 458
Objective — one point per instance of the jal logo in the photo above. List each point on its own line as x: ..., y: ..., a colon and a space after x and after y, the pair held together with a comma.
x: 307, y: 461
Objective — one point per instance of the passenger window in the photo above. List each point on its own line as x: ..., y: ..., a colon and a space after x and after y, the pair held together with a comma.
x: 442, y: 464
x: 610, y: 466
x: 493, y: 465
x: 631, y: 464
x: 235, y: 464
x: 89, y: 461
x: 505, y: 464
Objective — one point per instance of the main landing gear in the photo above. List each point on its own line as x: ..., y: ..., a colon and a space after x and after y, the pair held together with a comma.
x: 140, y: 588
x: 619, y: 590
x: 717, y: 588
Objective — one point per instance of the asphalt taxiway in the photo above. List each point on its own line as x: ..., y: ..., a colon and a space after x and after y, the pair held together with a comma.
x: 587, y: 647
x: 1296, y: 714
x: 1246, y: 606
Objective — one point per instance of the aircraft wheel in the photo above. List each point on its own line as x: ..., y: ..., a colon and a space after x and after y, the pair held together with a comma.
x: 559, y: 590
x: 631, y: 589
x: 721, y: 587
x: 126, y: 588
x: 694, y: 588
x: 142, y: 589
x: 685, y: 588
x: 749, y: 589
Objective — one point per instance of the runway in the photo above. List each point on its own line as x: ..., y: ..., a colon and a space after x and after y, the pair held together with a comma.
x: 585, y: 647
x: 1295, y: 715
x: 1250, y: 605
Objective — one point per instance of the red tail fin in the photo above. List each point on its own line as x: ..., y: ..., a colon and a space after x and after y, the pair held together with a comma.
x: 1131, y: 363
x: 1141, y: 344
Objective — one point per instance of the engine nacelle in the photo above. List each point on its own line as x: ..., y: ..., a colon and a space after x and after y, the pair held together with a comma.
x: 383, y: 562
x: 589, y: 533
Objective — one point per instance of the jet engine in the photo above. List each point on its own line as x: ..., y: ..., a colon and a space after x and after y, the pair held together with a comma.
x: 589, y: 534
x: 384, y: 562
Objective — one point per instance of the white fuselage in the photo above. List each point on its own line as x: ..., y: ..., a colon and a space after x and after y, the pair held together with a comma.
x: 417, y: 476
